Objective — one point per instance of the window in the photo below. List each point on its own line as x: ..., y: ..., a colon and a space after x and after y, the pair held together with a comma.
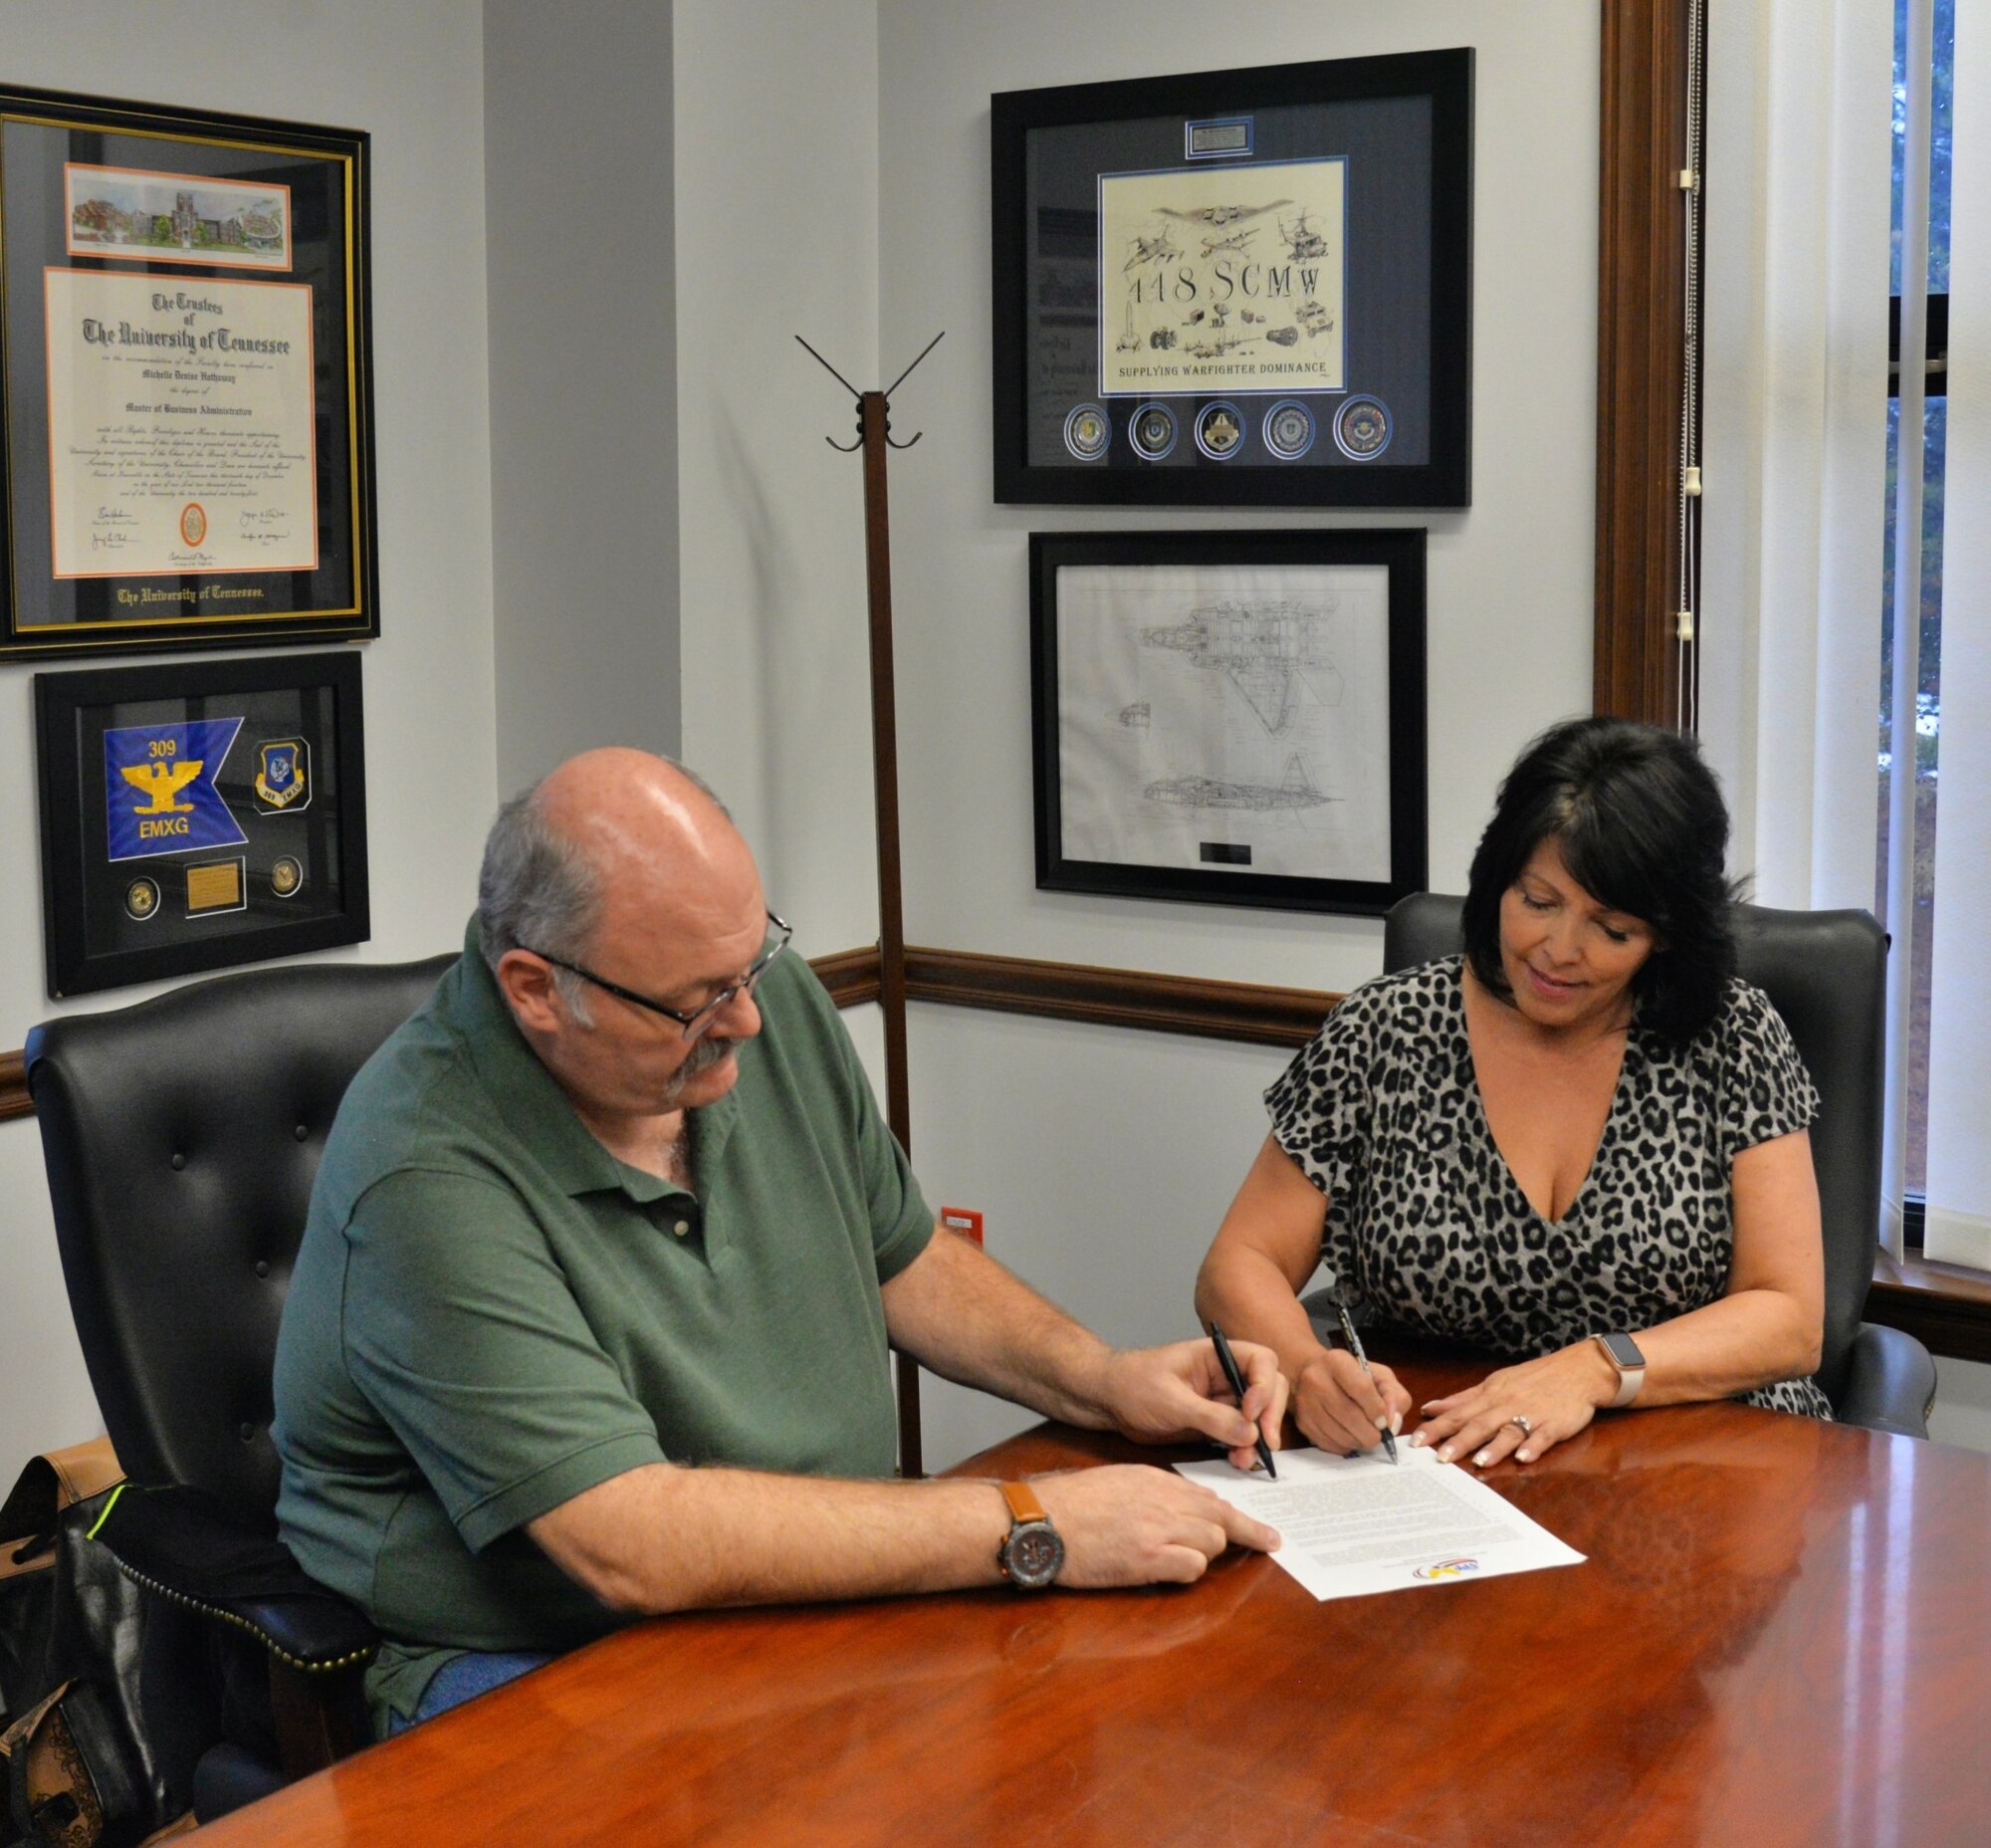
x: 1919, y: 716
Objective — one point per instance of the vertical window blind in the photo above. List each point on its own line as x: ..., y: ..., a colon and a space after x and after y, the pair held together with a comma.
x: 1796, y: 495
x: 1957, y: 1225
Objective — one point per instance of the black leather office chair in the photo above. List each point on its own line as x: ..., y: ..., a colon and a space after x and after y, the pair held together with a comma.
x: 1826, y: 973
x: 181, y: 1137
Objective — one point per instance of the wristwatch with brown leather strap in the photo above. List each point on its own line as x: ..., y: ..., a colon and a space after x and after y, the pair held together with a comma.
x: 1032, y: 1551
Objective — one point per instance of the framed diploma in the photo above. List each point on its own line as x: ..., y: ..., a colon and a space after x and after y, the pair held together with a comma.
x: 186, y: 368
x: 1235, y: 718
x: 1244, y: 288
x: 198, y: 814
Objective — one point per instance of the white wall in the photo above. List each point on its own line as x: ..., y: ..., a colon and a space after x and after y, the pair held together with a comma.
x: 584, y: 380
x: 777, y: 235
x: 1102, y: 1159
x: 411, y: 76
x: 1509, y: 579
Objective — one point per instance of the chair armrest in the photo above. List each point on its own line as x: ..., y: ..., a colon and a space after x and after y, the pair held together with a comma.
x: 184, y: 1545
x: 1319, y: 1306
x: 1889, y: 1383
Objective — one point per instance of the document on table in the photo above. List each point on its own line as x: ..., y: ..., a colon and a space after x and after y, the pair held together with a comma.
x: 1356, y: 1525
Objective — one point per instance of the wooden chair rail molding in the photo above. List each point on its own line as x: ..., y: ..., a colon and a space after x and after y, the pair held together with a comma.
x: 1947, y: 1308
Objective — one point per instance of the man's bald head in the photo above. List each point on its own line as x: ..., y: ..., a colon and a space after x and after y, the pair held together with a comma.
x: 614, y: 826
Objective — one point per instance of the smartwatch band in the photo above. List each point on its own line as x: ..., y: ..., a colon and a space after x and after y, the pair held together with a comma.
x: 1630, y: 1375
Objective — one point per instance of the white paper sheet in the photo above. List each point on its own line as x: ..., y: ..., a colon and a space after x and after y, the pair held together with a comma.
x: 1360, y: 1524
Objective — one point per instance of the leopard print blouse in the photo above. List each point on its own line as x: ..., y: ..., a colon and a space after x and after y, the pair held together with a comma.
x: 1427, y: 1224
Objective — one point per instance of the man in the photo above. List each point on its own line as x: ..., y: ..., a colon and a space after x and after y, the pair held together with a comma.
x: 590, y: 1314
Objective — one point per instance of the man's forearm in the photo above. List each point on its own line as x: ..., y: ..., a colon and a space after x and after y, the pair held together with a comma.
x: 962, y: 1315
x: 663, y: 1538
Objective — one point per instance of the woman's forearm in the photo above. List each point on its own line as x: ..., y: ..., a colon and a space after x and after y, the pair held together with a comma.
x: 1247, y: 1294
x: 1748, y: 1339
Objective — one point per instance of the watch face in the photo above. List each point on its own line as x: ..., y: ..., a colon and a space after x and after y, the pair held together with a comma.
x: 1623, y: 1350
x: 1033, y: 1553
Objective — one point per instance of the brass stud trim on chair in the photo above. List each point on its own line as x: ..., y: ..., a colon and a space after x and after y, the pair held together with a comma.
x: 262, y: 1636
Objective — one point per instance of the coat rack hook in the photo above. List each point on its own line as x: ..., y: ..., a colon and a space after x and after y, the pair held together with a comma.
x: 886, y: 394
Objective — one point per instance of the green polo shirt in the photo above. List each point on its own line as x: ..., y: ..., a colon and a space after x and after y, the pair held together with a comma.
x: 490, y: 1314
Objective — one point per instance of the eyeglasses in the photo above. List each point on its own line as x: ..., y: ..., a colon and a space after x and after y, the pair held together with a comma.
x: 699, y: 1021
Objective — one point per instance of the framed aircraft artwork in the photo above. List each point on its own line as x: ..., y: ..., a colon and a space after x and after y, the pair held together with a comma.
x: 1234, y: 718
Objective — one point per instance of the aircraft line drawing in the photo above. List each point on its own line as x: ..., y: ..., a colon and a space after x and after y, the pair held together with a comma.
x: 1294, y: 790
x: 1305, y: 239
x: 1264, y: 649
x: 1158, y: 249
x: 1217, y: 216
x: 1239, y: 243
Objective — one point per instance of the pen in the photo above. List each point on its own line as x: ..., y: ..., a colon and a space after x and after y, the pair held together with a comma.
x: 1354, y: 1341
x: 1228, y: 1362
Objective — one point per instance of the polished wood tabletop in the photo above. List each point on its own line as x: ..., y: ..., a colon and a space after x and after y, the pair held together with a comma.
x: 1782, y: 1635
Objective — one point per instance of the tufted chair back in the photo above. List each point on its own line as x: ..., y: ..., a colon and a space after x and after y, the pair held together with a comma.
x: 1826, y: 973
x: 181, y: 1137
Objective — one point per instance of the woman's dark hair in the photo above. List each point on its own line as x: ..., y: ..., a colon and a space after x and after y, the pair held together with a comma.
x: 1643, y: 829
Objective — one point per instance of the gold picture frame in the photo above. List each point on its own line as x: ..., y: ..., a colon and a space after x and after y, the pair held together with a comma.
x: 186, y: 379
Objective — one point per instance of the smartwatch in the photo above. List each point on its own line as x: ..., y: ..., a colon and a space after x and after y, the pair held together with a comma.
x: 1032, y: 1551
x: 1623, y: 1353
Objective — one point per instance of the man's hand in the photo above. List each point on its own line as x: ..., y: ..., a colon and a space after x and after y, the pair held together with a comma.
x: 1341, y: 1408
x: 1129, y: 1524
x: 1166, y: 1395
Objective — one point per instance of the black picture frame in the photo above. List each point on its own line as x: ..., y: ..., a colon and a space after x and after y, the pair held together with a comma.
x: 274, y: 860
x: 1231, y: 718
x: 186, y: 378
x: 1363, y: 404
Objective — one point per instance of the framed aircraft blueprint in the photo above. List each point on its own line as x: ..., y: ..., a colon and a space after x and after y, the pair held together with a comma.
x: 1235, y: 718
x: 186, y: 379
x: 1242, y: 288
x: 200, y: 814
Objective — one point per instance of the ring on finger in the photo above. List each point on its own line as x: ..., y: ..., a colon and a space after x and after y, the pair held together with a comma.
x: 1524, y: 1423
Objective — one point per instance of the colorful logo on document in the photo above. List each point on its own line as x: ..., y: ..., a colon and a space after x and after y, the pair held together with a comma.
x: 159, y: 793
x: 1447, y: 1568
x: 283, y: 780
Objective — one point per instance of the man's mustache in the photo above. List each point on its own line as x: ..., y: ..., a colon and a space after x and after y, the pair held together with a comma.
x: 703, y: 1054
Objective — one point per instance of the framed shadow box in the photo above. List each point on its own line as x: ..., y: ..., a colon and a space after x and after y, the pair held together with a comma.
x: 1234, y: 718
x: 187, y: 378
x: 1241, y: 287
x: 200, y: 814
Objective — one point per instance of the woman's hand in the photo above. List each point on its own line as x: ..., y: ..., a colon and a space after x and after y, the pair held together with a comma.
x: 1557, y: 1395
x: 1340, y: 1408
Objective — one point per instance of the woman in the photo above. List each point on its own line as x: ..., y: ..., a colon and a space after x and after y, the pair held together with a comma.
x: 1582, y: 1143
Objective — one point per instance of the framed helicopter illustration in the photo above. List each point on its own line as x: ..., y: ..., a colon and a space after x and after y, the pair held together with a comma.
x: 1244, y: 288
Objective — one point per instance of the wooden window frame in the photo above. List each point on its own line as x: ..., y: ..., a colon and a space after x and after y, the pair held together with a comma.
x: 1641, y: 351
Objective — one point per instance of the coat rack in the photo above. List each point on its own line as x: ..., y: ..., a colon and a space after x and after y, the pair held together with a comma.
x: 874, y: 438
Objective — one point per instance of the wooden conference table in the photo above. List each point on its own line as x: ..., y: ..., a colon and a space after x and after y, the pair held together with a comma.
x: 1782, y: 1635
